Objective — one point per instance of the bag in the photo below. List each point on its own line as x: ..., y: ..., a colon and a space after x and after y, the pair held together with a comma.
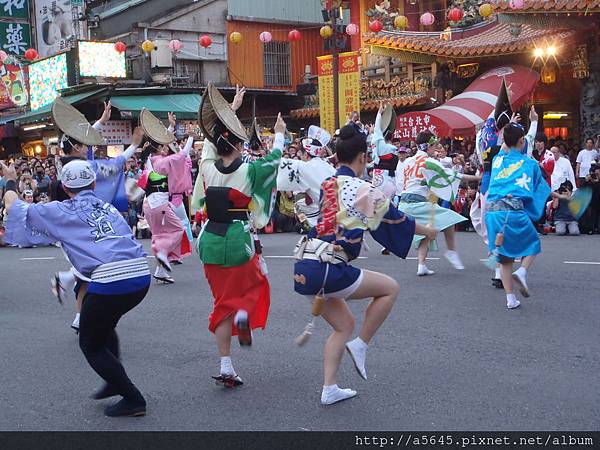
x: 134, y: 193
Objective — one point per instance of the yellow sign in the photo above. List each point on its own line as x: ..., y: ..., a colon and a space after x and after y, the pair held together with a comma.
x: 348, y: 88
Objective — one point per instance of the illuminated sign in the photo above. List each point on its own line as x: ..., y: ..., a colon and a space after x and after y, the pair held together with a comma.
x: 100, y: 59
x: 46, y: 78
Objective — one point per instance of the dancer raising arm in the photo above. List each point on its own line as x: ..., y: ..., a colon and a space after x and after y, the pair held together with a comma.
x: 349, y: 207
x: 237, y: 198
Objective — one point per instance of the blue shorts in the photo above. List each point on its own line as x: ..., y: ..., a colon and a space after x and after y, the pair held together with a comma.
x: 342, y: 279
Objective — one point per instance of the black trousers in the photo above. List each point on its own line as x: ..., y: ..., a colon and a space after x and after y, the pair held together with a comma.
x: 98, y: 339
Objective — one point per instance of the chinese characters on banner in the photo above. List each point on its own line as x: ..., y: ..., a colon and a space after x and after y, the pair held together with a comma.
x: 117, y: 132
x: 348, y: 88
x: 327, y: 110
x: 410, y: 125
x: 349, y: 85
x: 15, y: 35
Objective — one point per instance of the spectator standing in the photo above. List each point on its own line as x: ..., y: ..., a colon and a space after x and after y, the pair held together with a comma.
x: 586, y: 157
x: 590, y: 222
x: 563, y: 170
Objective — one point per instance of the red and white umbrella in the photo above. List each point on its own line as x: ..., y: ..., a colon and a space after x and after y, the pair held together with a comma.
x: 460, y: 115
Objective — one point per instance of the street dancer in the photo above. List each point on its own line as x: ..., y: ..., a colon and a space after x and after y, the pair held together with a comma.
x: 98, y: 242
x: 77, y: 141
x: 349, y: 207
x: 304, y: 177
x: 416, y: 201
x: 237, y: 199
x: 168, y: 178
x: 517, y: 196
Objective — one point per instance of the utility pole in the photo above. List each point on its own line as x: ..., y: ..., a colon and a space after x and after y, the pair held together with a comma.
x: 332, y: 8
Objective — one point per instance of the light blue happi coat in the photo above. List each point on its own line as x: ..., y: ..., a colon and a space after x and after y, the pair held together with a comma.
x: 516, y: 175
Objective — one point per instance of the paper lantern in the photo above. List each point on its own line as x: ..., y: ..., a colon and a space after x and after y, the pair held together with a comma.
x: 3, y: 55
x: 548, y: 74
x: 235, y: 37
x: 294, y: 35
x: 455, y: 14
x: 352, y: 29
x: 326, y: 32
x: 148, y: 46
x: 401, y: 22
x: 120, y: 47
x: 31, y: 54
x: 375, y: 26
x: 205, y: 41
x: 486, y: 10
x: 175, y: 45
x: 564, y: 133
x: 516, y: 4
x: 265, y: 37
x: 427, y: 19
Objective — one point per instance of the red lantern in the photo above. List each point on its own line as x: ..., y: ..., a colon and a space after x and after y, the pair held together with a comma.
x: 205, y: 41
x: 564, y: 133
x: 455, y: 15
x: 294, y: 35
x: 120, y: 47
x: 548, y: 132
x: 375, y: 26
x: 31, y: 54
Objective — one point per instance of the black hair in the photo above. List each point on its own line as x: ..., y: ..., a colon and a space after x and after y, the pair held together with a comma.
x: 68, y: 144
x: 541, y: 137
x: 349, y: 144
x: 512, y: 134
x: 224, y: 140
x: 589, y: 139
x: 78, y: 190
x: 567, y: 185
x: 424, y: 137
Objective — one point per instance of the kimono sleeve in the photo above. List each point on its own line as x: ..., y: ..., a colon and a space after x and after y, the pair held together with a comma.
x: 29, y: 225
x: 395, y: 232
x: 165, y: 165
x: 262, y: 174
x: 536, y: 204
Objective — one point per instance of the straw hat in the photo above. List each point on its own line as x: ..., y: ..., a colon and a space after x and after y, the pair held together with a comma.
x: 254, y: 139
x: 74, y: 124
x: 388, y: 120
x: 213, y: 107
x: 154, y: 128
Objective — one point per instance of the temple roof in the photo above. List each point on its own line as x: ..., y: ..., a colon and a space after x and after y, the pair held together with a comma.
x: 494, y: 41
x: 549, y: 6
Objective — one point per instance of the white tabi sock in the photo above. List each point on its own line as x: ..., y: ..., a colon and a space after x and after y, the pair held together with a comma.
x: 511, y: 301
x: 227, y: 366
x: 332, y: 394
x: 522, y: 271
x: 497, y: 276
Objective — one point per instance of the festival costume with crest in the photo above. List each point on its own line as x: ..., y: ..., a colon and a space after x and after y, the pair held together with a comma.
x: 98, y: 242
x: 304, y: 178
x: 517, y: 196
x: 349, y: 206
x: 415, y: 197
x: 385, y: 156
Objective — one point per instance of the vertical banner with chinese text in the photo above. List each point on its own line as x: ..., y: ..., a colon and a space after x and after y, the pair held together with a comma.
x: 349, y: 85
x: 325, y: 73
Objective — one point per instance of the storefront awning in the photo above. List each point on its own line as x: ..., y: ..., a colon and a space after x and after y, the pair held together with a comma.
x: 185, y: 106
x: 460, y: 115
x: 45, y: 112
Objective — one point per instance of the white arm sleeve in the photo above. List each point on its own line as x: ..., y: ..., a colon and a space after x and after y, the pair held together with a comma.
x: 188, y: 146
x: 278, y: 143
x: 129, y: 152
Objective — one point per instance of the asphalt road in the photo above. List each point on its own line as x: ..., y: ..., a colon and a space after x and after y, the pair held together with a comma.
x: 450, y: 356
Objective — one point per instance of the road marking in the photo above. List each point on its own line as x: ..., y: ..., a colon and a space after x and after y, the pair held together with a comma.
x: 40, y: 258
x: 292, y: 257
x: 518, y: 260
x: 591, y: 263
x: 428, y: 259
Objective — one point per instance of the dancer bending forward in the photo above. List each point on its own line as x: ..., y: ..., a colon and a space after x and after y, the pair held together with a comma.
x: 349, y: 206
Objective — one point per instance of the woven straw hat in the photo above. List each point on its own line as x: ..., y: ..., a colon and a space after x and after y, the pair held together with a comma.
x: 213, y: 107
x: 154, y: 128
x: 388, y: 119
x: 254, y: 134
x: 74, y: 124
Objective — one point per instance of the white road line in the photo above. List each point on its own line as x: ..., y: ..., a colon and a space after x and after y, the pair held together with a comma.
x: 292, y: 257
x: 41, y: 258
x: 591, y: 263
x: 428, y: 259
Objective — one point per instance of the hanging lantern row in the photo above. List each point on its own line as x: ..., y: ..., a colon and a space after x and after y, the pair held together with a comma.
x: 31, y: 54
x: 455, y: 14
x: 427, y: 19
x: 235, y: 37
x: 175, y: 46
x: 120, y: 47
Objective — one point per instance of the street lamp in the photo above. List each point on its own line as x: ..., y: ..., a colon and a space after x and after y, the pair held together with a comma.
x: 332, y: 11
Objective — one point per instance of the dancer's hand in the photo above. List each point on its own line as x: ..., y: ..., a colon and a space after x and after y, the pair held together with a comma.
x: 239, y: 97
x: 172, y: 119
x: 280, y: 125
x: 106, y: 113
x: 138, y: 135
x: 9, y: 173
x: 533, y: 115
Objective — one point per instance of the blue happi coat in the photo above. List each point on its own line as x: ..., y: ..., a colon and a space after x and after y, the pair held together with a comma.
x: 517, y: 176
